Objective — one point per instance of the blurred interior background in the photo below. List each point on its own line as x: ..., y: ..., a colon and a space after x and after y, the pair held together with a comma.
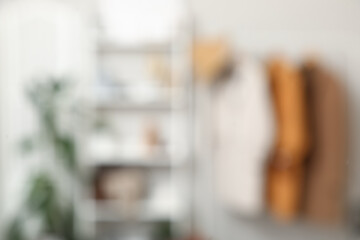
x: 179, y: 119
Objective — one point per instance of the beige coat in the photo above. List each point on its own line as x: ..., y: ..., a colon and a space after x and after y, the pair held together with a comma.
x: 324, y: 199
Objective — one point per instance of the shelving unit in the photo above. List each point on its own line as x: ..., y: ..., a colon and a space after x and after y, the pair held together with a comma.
x: 166, y: 175
x: 105, y: 214
x: 140, y: 163
x: 136, y: 107
x: 111, y: 48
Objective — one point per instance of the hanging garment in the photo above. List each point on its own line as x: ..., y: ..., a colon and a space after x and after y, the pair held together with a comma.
x: 244, y: 130
x: 285, y: 169
x: 324, y: 199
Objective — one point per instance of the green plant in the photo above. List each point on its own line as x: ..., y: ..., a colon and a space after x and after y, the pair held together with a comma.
x: 162, y: 231
x: 43, y: 196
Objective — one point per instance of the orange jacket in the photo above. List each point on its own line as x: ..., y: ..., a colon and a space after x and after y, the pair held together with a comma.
x: 285, y: 170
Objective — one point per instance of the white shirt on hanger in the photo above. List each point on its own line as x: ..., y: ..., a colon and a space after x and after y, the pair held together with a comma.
x: 244, y: 128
